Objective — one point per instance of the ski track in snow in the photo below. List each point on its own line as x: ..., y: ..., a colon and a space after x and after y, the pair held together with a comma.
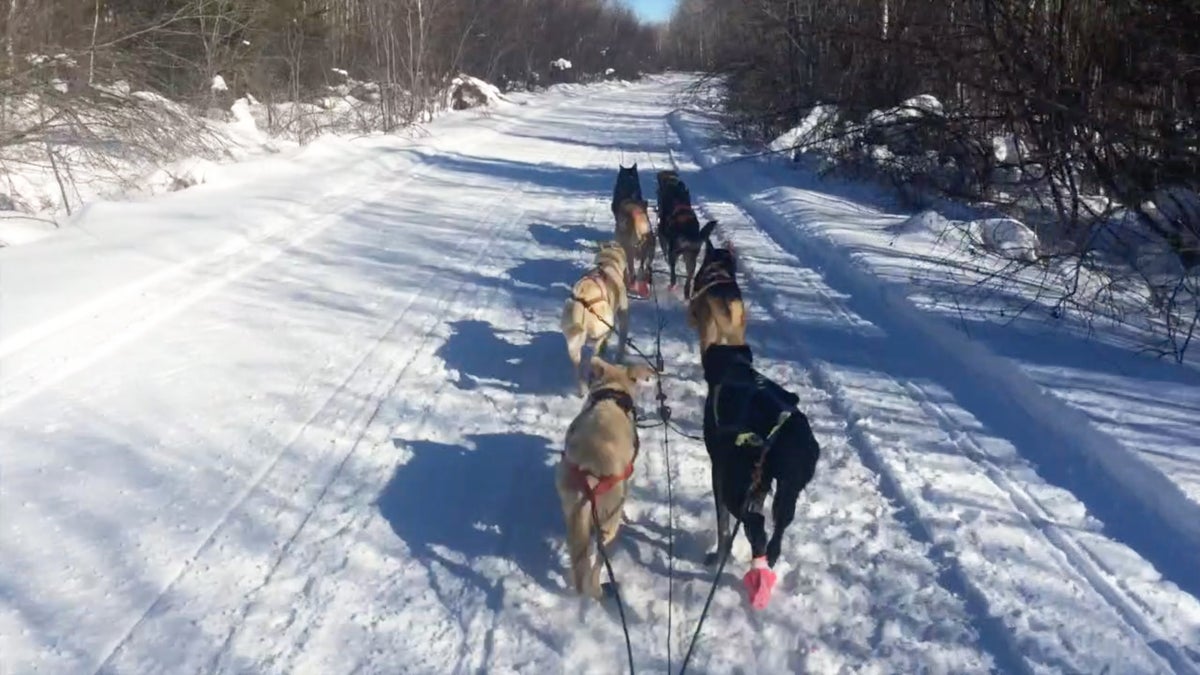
x: 327, y: 446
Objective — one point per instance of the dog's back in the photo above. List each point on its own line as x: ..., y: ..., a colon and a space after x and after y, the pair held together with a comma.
x: 675, y: 211
x: 716, y: 309
x: 750, y: 419
x: 633, y: 218
x: 627, y: 187
x: 746, y: 402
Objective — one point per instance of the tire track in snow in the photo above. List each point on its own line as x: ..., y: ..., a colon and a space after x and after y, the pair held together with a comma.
x: 496, y: 605
x: 328, y: 416
x: 1077, y: 565
x: 357, y: 511
x: 306, y: 616
x: 378, y: 398
x: 1090, y: 570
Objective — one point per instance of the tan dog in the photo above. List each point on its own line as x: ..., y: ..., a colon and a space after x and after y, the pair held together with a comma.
x: 597, y: 461
x: 716, y: 309
x: 637, y: 238
x: 598, y: 304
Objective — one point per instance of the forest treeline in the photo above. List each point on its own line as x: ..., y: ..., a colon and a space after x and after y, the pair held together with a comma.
x: 1103, y: 96
x: 289, y: 49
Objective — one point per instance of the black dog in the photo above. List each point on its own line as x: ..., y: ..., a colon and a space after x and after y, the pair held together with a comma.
x: 678, y: 227
x: 745, y: 415
x: 628, y: 187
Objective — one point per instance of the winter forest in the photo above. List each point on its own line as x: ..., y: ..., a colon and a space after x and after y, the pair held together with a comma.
x: 302, y: 303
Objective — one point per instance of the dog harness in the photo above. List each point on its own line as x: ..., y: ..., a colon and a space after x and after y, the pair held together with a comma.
x: 710, y: 276
x: 578, y: 476
x: 597, y: 276
x: 755, y: 408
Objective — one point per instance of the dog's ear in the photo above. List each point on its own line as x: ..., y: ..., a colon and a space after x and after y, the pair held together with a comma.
x: 634, y: 167
x: 707, y: 230
x: 639, y: 372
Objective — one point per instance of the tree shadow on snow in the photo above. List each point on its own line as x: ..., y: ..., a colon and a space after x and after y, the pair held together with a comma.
x: 478, y: 351
x: 491, y: 496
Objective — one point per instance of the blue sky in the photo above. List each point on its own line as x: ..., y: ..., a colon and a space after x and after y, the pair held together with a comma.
x: 652, y: 10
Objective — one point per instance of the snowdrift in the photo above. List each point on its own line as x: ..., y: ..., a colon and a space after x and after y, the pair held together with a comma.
x: 471, y: 92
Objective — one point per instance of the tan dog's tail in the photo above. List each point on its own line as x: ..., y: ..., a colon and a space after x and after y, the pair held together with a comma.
x: 574, y: 329
x: 573, y: 316
x: 737, y: 317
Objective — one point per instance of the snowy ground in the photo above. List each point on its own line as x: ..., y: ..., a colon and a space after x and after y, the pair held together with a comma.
x: 305, y: 420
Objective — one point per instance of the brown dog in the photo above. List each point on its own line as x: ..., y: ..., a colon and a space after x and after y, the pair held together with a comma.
x: 637, y: 238
x: 598, y: 304
x: 678, y: 228
x: 716, y: 309
x: 597, y: 461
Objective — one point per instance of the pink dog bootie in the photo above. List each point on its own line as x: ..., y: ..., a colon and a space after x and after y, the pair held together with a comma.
x: 759, y: 581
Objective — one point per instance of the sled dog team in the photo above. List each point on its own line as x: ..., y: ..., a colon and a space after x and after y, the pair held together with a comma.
x: 757, y: 440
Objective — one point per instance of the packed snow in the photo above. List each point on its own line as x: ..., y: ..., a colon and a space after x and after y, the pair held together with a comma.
x: 303, y: 416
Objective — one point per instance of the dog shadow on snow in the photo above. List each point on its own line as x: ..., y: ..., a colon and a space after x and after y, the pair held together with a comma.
x: 484, y: 356
x: 569, y: 237
x: 491, y: 496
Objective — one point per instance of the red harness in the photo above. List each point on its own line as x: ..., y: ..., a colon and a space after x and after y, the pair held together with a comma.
x: 578, y: 476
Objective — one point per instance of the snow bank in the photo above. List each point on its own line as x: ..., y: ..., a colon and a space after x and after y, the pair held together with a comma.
x: 814, y: 128
x: 917, y: 107
x: 1139, y: 239
x: 1007, y: 237
x: 926, y: 222
x: 17, y: 228
x: 471, y: 92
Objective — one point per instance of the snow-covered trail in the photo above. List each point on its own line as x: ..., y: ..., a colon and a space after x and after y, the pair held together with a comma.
x: 327, y: 443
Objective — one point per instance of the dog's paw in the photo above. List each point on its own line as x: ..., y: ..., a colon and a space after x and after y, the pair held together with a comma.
x: 759, y: 583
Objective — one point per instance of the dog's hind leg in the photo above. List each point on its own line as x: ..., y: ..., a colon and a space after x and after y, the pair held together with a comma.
x: 783, y: 511
x: 689, y: 264
x: 724, y: 540
x: 621, y: 315
x: 610, y: 509
x: 672, y: 258
x: 579, y: 546
x: 575, y: 343
x: 800, y: 471
x: 755, y: 526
